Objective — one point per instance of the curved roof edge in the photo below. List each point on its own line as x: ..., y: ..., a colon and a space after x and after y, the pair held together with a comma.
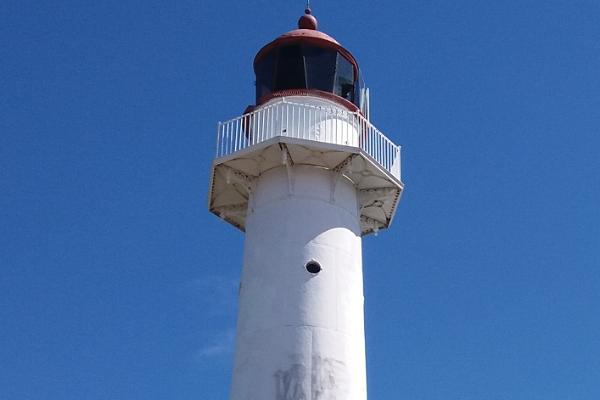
x: 311, y: 36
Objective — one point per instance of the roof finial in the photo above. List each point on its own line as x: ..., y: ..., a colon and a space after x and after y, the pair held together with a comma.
x: 307, y: 21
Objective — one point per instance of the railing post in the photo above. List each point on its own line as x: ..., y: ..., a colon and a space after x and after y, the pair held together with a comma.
x: 220, y: 139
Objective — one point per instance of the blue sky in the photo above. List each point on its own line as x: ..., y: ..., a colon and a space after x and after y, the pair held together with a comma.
x: 117, y: 283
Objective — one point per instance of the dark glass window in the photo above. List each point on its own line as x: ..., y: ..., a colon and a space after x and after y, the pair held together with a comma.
x: 358, y: 86
x: 320, y: 68
x: 290, y: 69
x: 265, y: 74
x: 306, y: 67
x: 344, y: 79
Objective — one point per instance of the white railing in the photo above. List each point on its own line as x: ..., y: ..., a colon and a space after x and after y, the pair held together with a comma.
x: 309, y: 122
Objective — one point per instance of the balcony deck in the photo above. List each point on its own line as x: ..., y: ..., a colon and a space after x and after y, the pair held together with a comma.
x: 318, y: 123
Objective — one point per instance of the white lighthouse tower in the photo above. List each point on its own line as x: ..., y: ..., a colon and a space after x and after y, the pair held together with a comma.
x: 305, y: 175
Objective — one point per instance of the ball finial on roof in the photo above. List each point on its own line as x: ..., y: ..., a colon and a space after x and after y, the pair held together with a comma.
x: 307, y: 21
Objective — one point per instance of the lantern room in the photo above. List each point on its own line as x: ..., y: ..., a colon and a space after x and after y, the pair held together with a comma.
x: 307, y: 62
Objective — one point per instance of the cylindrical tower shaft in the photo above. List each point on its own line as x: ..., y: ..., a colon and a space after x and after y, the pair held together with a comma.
x: 300, y: 334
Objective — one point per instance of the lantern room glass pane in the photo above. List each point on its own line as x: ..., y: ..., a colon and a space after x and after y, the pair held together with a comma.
x: 290, y: 69
x: 344, y: 79
x: 320, y: 68
x: 265, y: 74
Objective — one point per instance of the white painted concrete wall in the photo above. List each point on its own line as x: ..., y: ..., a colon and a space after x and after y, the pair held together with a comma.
x: 301, y: 336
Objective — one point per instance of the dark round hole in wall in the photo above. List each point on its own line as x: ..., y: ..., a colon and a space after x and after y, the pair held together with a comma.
x: 313, y: 267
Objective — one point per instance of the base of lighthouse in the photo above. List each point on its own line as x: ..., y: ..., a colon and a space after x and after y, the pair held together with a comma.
x: 300, y: 334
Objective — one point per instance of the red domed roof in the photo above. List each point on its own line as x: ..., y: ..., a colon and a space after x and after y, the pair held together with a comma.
x: 309, y: 33
x: 311, y: 36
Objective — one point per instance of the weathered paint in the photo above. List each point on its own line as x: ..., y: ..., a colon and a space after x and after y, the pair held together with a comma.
x: 300, y: 336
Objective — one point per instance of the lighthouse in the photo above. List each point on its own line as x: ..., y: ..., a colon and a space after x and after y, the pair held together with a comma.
x: 305, y: 175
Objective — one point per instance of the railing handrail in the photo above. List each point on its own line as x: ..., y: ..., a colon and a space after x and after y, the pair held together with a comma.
x: 376, y: 144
